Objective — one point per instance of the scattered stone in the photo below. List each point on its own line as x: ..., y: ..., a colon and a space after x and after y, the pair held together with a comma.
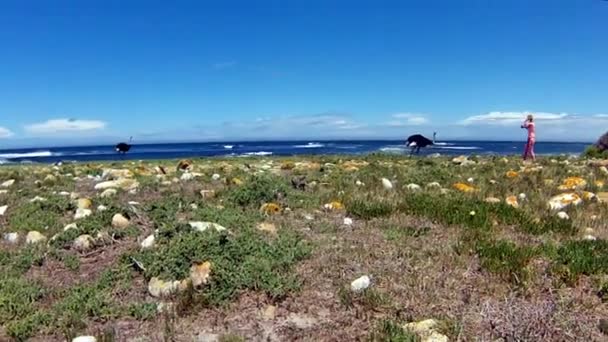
x: 472, y: 213
x: 148, y: 242
x: 470, y: 180
x: 83, y: 243
x: 11, y: 237
x: 3, y: 192
x: 589, y: 238
x: 492, y: 200
x: 426, y: 330
x: 64, y: 193
x: 160, y: 288
x: 84, y: 203
x: 387, y: 184
x: 37, y: 199
x: 299, y: 183
x: 360, y: 284
x: 335, y: 205
x: 199, y: 273
x: 603, y: 170
x: 108, y: 193
x: 359, y: 183
x: 269, y: 313
x: 187, y: 176
x: 203, y: 226
x: 522, y: 196
x: 84, y: 339
x: 215, y: 177
x: 414, y: 187
x: 563, y: 215
x: 82, y: 213
x: 267, y: 227
x: 122, y: 183
x: 119, y: 221
x: 3, y: 209
x: 113, y: 174
x: 208, y: 337
x: 348, y: 221
x: 562, y: 201
x: 462, y: 160
x: 70, y: 226
x: 8, y: 183
x: 208, y: 193
x: 602, y: 196
x: 34, y: 237
x: 101, y: 208
x: 433, y: 185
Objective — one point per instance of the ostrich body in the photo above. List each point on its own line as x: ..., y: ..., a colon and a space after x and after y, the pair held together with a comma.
x: 124, y: 147
x: 418, y: 141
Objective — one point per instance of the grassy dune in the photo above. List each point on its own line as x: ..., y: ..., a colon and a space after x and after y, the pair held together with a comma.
x: 266, y: 249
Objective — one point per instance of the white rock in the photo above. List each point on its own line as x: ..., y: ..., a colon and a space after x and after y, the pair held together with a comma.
x: 387, y: 184
x: 34, y: 237
x: 108, y: 193
x: 160, y: 288
x: 83, y: 243
x: 70, y: 226
x: 64, y: 193
x: 522, y: 196
x: 472, y: 213
x: 119, y: 221
x: 562, y: 201
x: 470, y: 180
x: 3, y: 209
x: 102, y: 207
x: 360, y: 284
x: 433, y: 185
x: 11, y: 237
x: 3, y: 192
x: 562, y: 215
x: 348, y: 221
x: 84, y: 339
x: 359, y: 183
x: 148, y: 242
x: 186, y: 176
x: 8, y: 183
x: 133, y: 203
x: 308, y: 217
x: 589, y: 238
x: 82, y: 213
x: 492, y: 200
x: 37, y: 199
x: 203, y: 226
x: 123, y: 183
x: 215, y: 177
x: 604, y: 170
x: 413, y: 187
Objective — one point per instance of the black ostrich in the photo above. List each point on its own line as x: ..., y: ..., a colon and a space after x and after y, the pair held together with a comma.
x: 418, y: 141
x: 124, y: 147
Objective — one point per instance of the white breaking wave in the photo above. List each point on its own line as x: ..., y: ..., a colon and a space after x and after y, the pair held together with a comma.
x: 4, y: 161
x: 29, y: 154
x: 459, y: 148
x: 442, y: 144
x: 228, y: 147
x: 261, y: 153
x: 310, y: 145
x: 392, y: 149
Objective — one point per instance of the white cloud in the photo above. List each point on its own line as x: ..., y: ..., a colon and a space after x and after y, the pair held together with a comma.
x: 65, y: 126
x: 510, y: 118
x: 407, y: 119
x: 5, y: 133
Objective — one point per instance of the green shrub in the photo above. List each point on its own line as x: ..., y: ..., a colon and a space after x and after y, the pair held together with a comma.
x: 505, y: 258
x: 257, y: 190
x: 389, y: 331
x: 593, y: 152
x: 368, y: 209
x: 584, y: 257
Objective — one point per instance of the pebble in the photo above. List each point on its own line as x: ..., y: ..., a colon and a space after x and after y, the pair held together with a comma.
x: 269, y: 313
x: 563, y: 215
x: 215, y: 177
x: 522, y: 196
x: 348, y: 221
x: 413, y: 187
x: 82, y: 213
x: 199, y: 273
x: 470, y: 180
x: 492, y: 200
x: 70, y: 226
x: 119, y: 221
x: 148, y: 242
x: 83, y: 243
x: 267, y: 227
x: 102, y: 207
x: 34, y: 237
x: 160, y: 288
x: 84, y: 203
x: 604, y: 170
x: 202, y: 226
x: 11, y: 237
x: 207, y: 193
x: 360, y: 284
x: 387, y: 184
x: 589, y: 238
x: 8, y: 183
x: 37, y: 199
x: 84, y: 339
x: 3, y: 209
x: 433, y: 185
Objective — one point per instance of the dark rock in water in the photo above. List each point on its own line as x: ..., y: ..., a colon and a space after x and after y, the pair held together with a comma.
x: 299, y: 183
x: 602, y: 142
x: 603, y: 326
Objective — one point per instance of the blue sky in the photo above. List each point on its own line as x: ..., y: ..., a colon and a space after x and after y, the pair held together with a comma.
x: 99, y: 71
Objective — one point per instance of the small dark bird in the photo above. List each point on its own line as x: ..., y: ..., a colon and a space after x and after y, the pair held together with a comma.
x: 124, y: 147
x: 418, y: 141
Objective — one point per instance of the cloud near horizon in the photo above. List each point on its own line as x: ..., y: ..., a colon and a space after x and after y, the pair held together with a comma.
x: 5, y: 133
x: 511, y: 118
x: 407, y: 119
x: 59, y: 126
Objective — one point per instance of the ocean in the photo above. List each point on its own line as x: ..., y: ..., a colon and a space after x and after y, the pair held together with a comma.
x: 276, y: 148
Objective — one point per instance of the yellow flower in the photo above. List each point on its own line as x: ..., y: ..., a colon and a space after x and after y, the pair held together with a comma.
x: 270, y: 209
x: 287, y: 165
x: 572, y: 183
x: 512, y: 201
x: 335, y: 205
x: 237, y: 181
x: 512, y: 174
x: 599, y: 184
x: 464, y: 187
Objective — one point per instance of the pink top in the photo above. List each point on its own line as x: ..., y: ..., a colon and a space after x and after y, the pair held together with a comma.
x: 531, y: 129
